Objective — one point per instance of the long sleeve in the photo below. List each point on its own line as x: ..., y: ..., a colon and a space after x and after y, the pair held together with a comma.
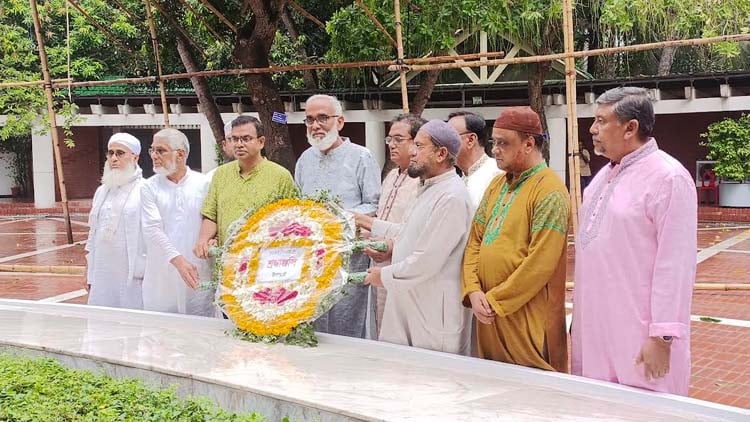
x: 287, y: 188
x: 151, y: 220
x: 470, y: 272
x: 210, y: 208
x: 674, y: 215
x: 442, y: 233
x: 548, y: 240
x: 384, y: 229
x: 368, y: 176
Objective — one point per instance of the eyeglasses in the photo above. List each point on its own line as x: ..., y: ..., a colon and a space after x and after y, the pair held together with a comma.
x: 395, y: 140
x: 465, y: 133
x: 242, y: 139
x: 321, y: 119
x: 499, y: 144
x: 117, y: 153
x: 158, y: 151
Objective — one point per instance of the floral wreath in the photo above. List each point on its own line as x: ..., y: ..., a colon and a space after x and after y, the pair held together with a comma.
x: 283, y: 266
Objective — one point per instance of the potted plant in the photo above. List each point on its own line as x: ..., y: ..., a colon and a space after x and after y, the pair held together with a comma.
x: 728, y: 143
x: 20, y: 165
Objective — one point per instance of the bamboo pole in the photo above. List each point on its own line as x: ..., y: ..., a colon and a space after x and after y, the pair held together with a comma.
x: 377, y: 23
x: 580, y: 54
x: 157, y: 58
x: 390, y: 63
x: 301, y: 10
x: 52, y: 118
x: 698, y: 286
x: 400, y: 59
x: 219, y: 15
x: 179, y: 27
x: 30, y: 83
x: 201, y: 19
x: 110, y: 36
x: 574, y: 170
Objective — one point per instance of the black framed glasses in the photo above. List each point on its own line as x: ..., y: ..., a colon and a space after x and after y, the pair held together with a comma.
x: 321, y: 119
x: 242, y: 139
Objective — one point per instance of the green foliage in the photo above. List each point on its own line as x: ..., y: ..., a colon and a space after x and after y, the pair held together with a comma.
x: 728, y: 142
x: 302, y: 335
x: 43, y: 390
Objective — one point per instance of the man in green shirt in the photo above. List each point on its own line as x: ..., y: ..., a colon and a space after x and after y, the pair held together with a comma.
x: 249, y: 182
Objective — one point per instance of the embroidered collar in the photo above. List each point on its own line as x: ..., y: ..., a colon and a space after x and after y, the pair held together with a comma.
x: 635, y: 156
x: 477, y: 165
x: 526, y: 174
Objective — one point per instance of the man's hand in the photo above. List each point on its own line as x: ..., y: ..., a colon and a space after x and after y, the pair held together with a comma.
x: 380, y: 256
x: 481, y: 308
x: 363, y: 221
x: 201, y: 248
x: 654, y: 356
x: 188, y: 271
x: 373, y: 277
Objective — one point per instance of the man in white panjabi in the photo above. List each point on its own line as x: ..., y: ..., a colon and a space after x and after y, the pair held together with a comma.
x: 478, y: 168
x: 115, y: 253
x: 172, y: 199
x: 423, y: 307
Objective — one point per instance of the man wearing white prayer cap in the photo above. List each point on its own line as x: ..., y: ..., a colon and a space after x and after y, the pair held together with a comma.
x: 115, y: 257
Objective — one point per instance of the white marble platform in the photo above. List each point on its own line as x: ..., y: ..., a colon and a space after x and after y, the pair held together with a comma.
x: 342, y: 379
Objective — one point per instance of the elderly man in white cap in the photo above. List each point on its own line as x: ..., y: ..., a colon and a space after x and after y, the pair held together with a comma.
x: 423, y: 308
x: 115, y: 249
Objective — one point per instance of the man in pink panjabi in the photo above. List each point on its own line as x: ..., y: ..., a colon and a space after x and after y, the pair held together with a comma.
x: 635, y: 255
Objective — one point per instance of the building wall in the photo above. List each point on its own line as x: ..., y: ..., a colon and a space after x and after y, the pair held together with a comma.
x: 5, y: 180
x: 82, y: 164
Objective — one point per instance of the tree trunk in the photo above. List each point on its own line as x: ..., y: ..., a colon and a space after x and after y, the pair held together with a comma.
x: 208, y: 106
x: 537, y: 76
x: 420, y: 99
x: 666, y: 60
x: 309, y: 76
x: 254, y: 42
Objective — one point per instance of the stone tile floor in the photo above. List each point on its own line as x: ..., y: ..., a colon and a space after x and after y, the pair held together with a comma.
x: 720, y: 350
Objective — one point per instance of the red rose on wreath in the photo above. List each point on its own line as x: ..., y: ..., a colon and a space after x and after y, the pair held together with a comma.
x: 291, y: 229
x: 275, y: 296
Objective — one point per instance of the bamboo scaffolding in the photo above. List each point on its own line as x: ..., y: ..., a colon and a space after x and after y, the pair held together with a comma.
x: 201, y: 19
x: 218, y: 14
x: 52, y: 118
x: 400, y: 59
x: 178, y: 27
x: 698, y: 286
x: 574, y: 170
x: 301, y: 10
x: 580, y: 54
x: 30, y: 83
x: 377, y: 23
x: 110, y: 36
x: 157, y: 58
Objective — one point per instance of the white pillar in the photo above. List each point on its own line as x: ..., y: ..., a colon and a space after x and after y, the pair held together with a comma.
x: 43, y: 168
x: 375, y: 140
x: 208, y: 147
x: 558, y: 135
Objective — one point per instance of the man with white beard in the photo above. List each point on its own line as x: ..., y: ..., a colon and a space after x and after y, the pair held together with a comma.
x: 115, y: 255
x: 347, y: 171
x: 172, y: 200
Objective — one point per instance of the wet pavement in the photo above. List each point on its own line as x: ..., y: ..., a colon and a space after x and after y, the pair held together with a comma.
x: 720, y: 344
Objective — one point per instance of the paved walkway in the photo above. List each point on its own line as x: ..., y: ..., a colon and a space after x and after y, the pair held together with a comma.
x: 720, y: 331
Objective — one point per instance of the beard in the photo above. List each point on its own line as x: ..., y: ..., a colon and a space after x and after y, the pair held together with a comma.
x: 114, y: 178
x: 415, y: 170
x: 166, y: 169
x: 325, y: 142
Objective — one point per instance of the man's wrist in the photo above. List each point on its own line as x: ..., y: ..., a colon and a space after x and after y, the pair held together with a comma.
x: 665, y: 339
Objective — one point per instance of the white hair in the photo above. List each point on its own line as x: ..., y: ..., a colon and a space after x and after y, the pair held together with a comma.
x: 177, y: 140
x: 333, y: 101
x: 227, y: 129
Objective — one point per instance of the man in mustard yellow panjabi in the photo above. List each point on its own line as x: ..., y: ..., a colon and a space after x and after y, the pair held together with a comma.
x: 514, y: 265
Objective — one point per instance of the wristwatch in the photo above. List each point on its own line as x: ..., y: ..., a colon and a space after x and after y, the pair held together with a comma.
x: 666, y: 339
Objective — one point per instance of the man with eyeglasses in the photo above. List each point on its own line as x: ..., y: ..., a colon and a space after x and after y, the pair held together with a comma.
x: 515, y: 259
x: 349, y: 172
x: 246, y: 184
x: 172, y: 199
x: 115, y: 252
x: 398, y: 192
x: 477, y: 167
x: 423, y: 308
